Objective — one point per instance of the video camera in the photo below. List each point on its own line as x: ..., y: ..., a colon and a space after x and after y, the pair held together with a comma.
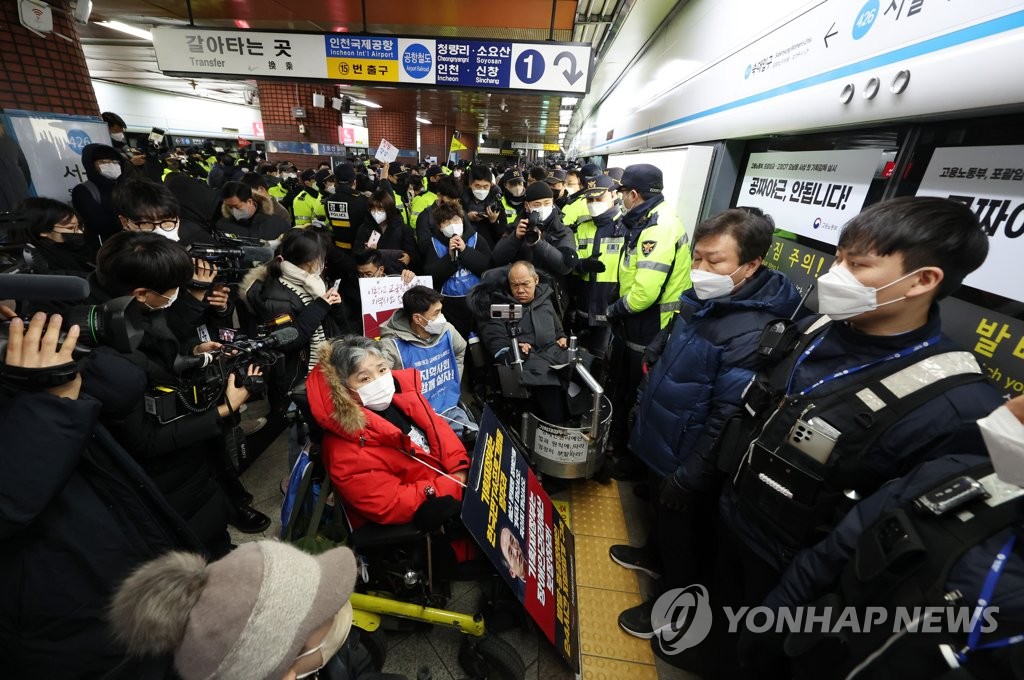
x: 233, y: 255
x: 202, y: 379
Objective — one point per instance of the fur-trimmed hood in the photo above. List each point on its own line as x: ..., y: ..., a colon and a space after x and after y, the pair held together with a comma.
x: 256, y: 274
x: 263, y: 205
x: 329, y: 399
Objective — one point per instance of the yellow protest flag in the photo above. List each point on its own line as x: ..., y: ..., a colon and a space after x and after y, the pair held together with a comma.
x: 456, y: 145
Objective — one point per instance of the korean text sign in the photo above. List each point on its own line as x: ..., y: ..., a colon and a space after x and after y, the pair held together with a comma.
x: 381, y: 297
x: 512, y: 518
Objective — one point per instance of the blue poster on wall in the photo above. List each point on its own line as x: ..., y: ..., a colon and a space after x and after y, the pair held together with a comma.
x: 473, y: 63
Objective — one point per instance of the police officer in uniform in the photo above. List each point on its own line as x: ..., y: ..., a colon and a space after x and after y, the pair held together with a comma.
x: 654, y: 269
x: 308, y: 205
x: 574, y: 212
x: 512, y: 196
x: 426, y: 199
x: 348, y: 209
x: 598, y: 245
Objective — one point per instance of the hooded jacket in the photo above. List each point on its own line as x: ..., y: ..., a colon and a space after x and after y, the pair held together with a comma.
x: 264, y: 224
x: 697, y: 383
x: 99, y: 219
x: 540, y: 327
x: 399, y: 327
x: 198, y: 207
x: 381, y: 475
x: 492, y: 231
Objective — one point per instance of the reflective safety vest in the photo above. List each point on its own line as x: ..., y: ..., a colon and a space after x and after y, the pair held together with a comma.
x: 606, y: 241
x: 438, y: 369
x: 166, y: 172
x: 654, y: 270
x: 511, y: 212
x: 419, y: 204
x: 462, y: 281
x: 277, y: 191
x: 403, y: 210
x: 575, y: 214
x: 306, y: 208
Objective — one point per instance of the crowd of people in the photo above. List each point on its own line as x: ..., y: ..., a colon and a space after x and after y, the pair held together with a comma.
x: 764, y: 437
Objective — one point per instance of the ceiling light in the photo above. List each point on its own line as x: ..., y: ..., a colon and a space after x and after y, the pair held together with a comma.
x: 570, y: 101
x: 423, y: 120
x: 125, y: 28
x: 365, y: 102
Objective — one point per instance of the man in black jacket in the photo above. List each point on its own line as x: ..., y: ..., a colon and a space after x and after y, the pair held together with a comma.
x: 77, y: 513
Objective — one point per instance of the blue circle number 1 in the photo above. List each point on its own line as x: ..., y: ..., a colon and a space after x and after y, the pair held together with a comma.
x: 530, y: 66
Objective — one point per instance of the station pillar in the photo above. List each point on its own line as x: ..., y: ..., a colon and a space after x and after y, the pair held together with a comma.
x: 398, y: 127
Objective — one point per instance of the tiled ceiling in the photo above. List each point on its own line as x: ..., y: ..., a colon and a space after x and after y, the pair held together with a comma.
x: 113, y: 57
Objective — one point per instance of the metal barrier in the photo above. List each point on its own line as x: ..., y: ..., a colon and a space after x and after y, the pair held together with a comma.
x: 571, y: 452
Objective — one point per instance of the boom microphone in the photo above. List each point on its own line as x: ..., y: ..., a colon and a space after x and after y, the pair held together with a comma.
x: 42, y: 287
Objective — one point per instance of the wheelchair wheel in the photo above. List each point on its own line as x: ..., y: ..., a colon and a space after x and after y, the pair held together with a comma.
x: 491, y: 658
x: 377, y: 645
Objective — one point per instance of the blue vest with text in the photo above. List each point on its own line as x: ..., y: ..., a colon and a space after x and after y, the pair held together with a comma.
x: 461, y: 282
x: 438, y: 370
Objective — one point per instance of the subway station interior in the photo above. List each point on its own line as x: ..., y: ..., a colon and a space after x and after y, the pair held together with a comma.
x: 601, y: 339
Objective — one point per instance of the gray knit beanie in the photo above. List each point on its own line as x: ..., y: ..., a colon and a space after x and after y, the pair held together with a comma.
x: 245, y: 616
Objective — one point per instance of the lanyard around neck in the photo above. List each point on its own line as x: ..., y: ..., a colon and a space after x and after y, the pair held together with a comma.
x: 850, y: 371
x: 984, y: 600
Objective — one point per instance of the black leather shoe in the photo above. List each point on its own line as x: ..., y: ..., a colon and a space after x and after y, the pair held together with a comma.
x: 249, y: 520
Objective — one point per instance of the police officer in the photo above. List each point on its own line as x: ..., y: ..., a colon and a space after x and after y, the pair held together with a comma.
x: 347, y: 209
x: 575, y: 212
x: 851, y: 399
x: 654, y: 269
x: 598, y: 245
x: 512, y: 195
x: 428, y: 197
x: 308, y: 205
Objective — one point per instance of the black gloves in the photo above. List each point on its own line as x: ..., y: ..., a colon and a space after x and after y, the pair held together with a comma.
x: 591, y: 265
x: 672, y: 496
x: 434, y: 512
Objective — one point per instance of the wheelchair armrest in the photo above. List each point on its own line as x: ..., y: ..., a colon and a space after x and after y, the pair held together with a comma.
x: 378, y: 535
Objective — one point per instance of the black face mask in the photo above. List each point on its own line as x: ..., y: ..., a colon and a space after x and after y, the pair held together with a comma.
x: 71, y: 241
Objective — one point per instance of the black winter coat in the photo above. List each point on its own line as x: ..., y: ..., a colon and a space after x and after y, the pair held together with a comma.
x: 77, y: 515
x: 395, y: 238
x: 441, y: 268
x: 99, y: 219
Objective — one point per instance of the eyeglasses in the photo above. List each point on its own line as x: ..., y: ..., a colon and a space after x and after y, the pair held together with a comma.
x: 166, y: 225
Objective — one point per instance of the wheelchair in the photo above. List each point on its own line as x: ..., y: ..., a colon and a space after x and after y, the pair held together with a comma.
x: 398, y: 586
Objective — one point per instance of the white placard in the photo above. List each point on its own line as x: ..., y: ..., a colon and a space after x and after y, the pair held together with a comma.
x: 561, y: 446
x: 811, y: 193
x: 381, y: 297
x: 990, y: 181
x: 386, y: 151
x: 53, y: 148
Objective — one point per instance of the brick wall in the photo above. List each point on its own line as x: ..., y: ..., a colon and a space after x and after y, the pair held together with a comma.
x: 398, y: 127
x: 43, y: 74
x: 436, y: 140
x: 276, y: 102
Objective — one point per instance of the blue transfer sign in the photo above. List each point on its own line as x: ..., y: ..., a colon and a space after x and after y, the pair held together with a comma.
x: 346, y: 47
x: 473, y: 63
x: 77, y: 140
x: 416, y: 60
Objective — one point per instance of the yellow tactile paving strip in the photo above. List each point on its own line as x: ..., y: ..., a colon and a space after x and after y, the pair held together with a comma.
x: 603, y: 588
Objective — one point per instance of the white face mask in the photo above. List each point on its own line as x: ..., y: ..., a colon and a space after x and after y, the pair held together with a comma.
x: 376, y: 395
x: 110, y: 170
x: 378, y: 215
x: 709, y: 285
x: 452, y: 229
x: 117, y: 136
x: 518, y: 190
x: 171, y: 235
x: 170, y: 301
x: 332, y: 642
x: 329, y: 189
x: 242, y: 213
x: 842, y: 296
x: 544, y: 212
x: 1004, y: 439
x: 436, y: 325
x: 457, y: 174
x: 480, y: 194
x: 597, y: 208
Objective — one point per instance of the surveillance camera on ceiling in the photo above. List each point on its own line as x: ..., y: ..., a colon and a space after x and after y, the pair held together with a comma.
x: 83, y: 8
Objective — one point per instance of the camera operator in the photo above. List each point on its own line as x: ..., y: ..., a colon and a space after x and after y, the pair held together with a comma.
x: 132, y: 157
x: 540, y: 238
x: 482, y: 203
x: 186, y: 456
x: 77, y: 514
x: 56, y: 236
x: 198, y: 205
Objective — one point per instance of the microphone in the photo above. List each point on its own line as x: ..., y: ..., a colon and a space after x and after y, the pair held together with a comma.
x: 282, y: 336
x: 258, y: 253
x: 42, y: 287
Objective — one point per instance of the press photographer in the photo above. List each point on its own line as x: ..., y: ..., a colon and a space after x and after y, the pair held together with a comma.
x: 77, y: 513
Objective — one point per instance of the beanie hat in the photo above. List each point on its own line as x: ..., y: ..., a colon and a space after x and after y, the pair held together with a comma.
x: 537, y: 191
x: 245, y: 616
x: 344, y: 173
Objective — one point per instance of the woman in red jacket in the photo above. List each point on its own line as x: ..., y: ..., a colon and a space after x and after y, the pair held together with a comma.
x: 386, y: 450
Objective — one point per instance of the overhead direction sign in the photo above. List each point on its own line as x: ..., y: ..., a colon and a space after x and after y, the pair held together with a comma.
x: 438, y: 62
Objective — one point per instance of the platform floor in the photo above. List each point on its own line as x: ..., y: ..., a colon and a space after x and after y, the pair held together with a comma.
x: 599, y: 514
